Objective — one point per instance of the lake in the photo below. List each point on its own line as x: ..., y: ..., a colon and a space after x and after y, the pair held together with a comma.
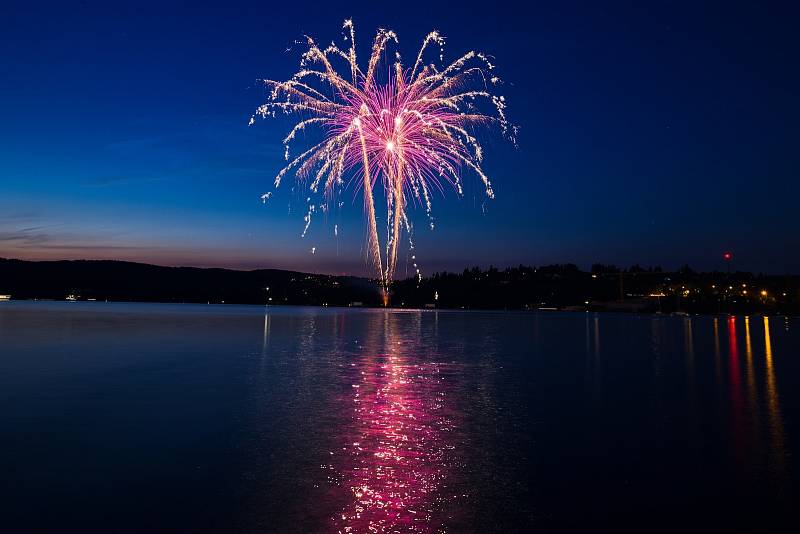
x: 189, y: 418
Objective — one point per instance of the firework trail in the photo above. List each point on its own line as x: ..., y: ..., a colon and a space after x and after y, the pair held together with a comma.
x: 408, y: 135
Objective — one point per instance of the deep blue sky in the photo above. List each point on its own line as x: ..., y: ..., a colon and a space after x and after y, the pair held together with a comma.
x: 651, y: 132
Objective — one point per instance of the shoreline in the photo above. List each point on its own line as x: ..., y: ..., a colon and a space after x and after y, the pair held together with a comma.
x: 536, y: 311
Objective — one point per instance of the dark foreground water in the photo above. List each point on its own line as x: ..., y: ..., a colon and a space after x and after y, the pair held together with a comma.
x: 178, y: 418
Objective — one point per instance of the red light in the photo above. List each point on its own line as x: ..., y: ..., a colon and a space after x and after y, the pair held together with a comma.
x: 727, y: 256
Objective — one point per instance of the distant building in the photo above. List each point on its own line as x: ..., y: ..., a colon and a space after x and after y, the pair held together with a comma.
x: 5, y: 297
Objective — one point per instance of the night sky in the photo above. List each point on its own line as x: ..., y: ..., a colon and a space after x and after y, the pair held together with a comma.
x: 650, y: 132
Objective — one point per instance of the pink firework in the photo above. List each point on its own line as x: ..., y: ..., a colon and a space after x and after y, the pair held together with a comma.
x: 413, y: 133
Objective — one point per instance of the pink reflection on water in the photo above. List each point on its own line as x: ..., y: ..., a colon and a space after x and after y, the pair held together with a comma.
x: 394, y: 464
x: 737, y: 399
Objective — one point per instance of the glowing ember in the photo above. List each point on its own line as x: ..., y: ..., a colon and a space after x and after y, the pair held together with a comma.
x: 414, y: 131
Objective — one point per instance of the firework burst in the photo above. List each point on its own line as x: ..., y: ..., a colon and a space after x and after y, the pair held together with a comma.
x: 408, y: 134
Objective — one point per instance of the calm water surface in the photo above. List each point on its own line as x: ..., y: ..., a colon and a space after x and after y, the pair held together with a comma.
x: 182, y: 418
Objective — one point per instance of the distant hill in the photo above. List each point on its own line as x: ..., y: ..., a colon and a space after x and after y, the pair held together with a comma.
x: 128, y: 281
x: 545, y: 287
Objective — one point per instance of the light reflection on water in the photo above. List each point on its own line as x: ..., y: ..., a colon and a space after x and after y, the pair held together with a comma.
x: 773, y: 406
x: 401, y: 454
x: 396, y: 452
x: 383, y: 421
